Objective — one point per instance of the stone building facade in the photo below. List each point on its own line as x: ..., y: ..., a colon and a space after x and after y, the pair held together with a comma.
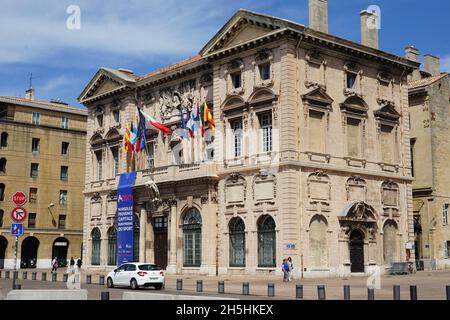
x: 42, y: 154
x: 310, y: 157
x: 429, y: 94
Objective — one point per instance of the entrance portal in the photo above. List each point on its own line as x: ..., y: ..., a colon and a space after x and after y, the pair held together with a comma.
x: 357, y: 251
x: 160, y: 234
x: 29, y: 251
x: 59, y: 250
x: 3, y: 245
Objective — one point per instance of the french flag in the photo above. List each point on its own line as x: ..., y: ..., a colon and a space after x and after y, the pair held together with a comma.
x: 153, y: 124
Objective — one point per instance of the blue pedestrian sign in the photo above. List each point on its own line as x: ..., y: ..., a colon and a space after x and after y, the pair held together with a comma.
x: 17, y: 229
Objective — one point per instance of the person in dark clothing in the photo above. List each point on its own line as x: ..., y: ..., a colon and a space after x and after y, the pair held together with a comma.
x: 72, y: 265
x: 79, y: 263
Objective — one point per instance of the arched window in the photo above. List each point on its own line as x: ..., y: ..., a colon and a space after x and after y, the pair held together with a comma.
x: 318, y: 242
x: 2, y: 191
x: 192, y: 236
x: 2, y: 165
x: 1, y: 217
x: 4, y: 140
x: 136, y: 231
x: 390, y: 242
x: 266, y: 242
x: 112, y: 246
x: 237, y: 242
x: 96, y: 243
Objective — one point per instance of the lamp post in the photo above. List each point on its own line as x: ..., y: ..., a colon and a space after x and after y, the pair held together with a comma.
x: 51, y: 205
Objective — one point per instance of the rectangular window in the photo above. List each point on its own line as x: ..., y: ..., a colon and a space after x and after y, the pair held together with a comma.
x: 413, y: 145
x: 264, y: 71
x: 32, y: 220
x: 1, y: 218
x: 100, y: 120
x: 160, y: 223
x: 33, y: 195
x: 99, y: 158
x: 236, y: 79
x: 62, y: 221
x: 116, y: 116
x: 447, y: 249
x: 115, y: 155
x: 65, y: 148
x: 35, y: 145
x: 266, y: 129
x: 65, y: 123
x: 236, y: 126
x: 35, y: 118
x: 64, y: 173
x: 316, y: 132
x: 34, y: 173
x: 63, y: 197
x: 387, y: 144
x: 151, y: 154
x: 353, y: 138
x: 351, y: 80
x: 445, y: 214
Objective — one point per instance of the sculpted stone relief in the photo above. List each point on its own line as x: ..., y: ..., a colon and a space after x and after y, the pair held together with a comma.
x: 172, y: 100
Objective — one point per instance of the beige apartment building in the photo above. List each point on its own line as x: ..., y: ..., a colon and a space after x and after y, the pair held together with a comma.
x: 310, y: 157
x: 429, y: 94
x: 42, y: 154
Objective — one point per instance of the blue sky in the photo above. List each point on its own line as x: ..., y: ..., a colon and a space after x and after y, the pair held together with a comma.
x: 144, y: 35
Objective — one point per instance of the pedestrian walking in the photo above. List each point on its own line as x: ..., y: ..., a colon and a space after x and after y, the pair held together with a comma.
x: 72, y: 265
x: 79, y: 263
x: 54, y: 265
x: 285, y: 269
x: 291, y: 267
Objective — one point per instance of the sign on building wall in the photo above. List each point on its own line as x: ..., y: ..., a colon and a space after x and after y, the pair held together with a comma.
x: 125, y: 218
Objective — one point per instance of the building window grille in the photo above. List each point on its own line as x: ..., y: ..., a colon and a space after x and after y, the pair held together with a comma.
x: 96, y: 243
x: 192, y: 235
x: 112, y: 246
x: 237, y: 137
x: 237, y: 243
x: 266, y: 242
x: 266, y: 129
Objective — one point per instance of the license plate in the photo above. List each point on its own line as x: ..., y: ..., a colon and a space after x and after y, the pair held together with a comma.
x: 153, y: 278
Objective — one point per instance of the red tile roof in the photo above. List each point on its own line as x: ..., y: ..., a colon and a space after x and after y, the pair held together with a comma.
x: 171, y: 67
x: 426, y: 81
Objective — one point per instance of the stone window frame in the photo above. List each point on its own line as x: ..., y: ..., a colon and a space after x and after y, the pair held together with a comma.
x: 264, y: 176
x: 318, y: 176
x: 314, y: 57
x: 235, y: 179
x: 391, y: 186
x: 356, y: 69
x: 98, y: 111
x: 356, y: 181
x: 235, y: 66
x: 264, y: 56
x: 390, y: 119
x: 116, y: 105
x: 386, y: 78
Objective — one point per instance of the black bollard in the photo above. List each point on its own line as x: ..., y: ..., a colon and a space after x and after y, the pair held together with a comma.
x: 299, y: 291
x: 396, y: 292
x: 246, y: 288
x: 44, y: 276
x: 101, y: 280
x: 16, y: 275
x: 321, y: 292
x: 54, y: 277
x: 33, y: 276
x: 448, y: 292
x: 24, y: 275
x: 88, y: 279
x: 346, y: 292
x: 0, y: 274
x: 17, y: 287
x: 65, y: 277
x: 221, y: 287
x: 6, y: 274
x: 271, y: 290
x: 179, y: 284
x: 370, y: 294
x: 199, y: 286
x: 105, y: 295
x: 413, y: 292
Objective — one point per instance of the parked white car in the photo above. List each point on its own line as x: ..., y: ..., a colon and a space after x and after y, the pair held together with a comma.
x: 135, y: 275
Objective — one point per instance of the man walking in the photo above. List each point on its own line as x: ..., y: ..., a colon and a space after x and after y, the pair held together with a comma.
x: 72, y: 265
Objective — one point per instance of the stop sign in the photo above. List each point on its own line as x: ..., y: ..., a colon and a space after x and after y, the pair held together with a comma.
x: 19, y: 198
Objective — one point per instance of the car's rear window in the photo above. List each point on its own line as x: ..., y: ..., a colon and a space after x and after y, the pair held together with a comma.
x: 148, y: 267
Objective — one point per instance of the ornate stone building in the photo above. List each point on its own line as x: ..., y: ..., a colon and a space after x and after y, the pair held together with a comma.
x: 429, y: 94
x: 310, y: 157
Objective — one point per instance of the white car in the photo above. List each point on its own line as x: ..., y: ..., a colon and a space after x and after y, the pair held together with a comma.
x: 135, y: 275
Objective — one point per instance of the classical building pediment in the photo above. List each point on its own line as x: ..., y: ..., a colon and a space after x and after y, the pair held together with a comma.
x: 106, y: 82
x: 318, y: 97
x: 387, y: 112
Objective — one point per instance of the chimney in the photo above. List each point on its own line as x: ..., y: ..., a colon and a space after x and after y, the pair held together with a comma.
x: 29, y: 94
x: 412, y: 53
x: 432, y: 64
x: 369, y: 29
x: 318, y: 15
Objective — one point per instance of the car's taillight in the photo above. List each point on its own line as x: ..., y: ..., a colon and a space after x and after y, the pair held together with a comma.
x: 161, y: 273
x: 142, y: 273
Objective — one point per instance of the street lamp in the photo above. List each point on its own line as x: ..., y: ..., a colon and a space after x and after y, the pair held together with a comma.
x: 51, y: 205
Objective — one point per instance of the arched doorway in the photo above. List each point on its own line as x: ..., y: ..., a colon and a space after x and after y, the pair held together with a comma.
x: 357, y: 251
x: 3, y: 246
x: 237, y: 242
x: 29, y: 252
x: 59, y: 250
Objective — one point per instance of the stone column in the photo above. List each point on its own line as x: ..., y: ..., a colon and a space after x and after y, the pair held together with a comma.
x: 142, y: 233
x: 173, y: 226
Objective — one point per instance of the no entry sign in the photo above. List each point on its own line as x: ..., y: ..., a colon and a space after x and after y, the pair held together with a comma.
x: 19, y: 198
x: 18, y: 214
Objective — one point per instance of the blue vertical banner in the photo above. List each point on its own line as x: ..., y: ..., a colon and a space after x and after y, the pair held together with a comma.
x: 125, y: 218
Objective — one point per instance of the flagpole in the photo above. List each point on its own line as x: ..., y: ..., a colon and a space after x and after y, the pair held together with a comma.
x: 146, y: 144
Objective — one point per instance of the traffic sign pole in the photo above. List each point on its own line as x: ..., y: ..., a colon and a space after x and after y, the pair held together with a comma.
x: 15, y: 262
